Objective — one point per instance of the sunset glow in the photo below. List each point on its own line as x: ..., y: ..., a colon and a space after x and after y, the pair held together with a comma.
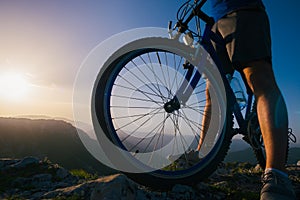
x: 13, y: 86
x: 44, y: 43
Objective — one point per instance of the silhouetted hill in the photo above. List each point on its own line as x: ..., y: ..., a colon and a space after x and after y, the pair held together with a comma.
x: 247, y: 155
x: 55, y: 139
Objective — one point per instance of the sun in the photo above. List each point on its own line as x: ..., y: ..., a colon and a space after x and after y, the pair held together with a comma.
x: 13, y: 86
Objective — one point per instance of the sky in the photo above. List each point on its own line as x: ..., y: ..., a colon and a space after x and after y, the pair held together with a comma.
x: 43, y: 44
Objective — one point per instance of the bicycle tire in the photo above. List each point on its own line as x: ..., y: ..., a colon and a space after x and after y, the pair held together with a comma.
x: 104, y: 92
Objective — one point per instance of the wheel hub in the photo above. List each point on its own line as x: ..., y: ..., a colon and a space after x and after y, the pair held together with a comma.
x: 172, y: 105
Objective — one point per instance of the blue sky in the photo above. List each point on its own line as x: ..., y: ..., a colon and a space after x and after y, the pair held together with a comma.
x: 46, y: 41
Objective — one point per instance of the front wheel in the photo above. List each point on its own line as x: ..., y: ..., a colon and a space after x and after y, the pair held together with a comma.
x: 139, y: 107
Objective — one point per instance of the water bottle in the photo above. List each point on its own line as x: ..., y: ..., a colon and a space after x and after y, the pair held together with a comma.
x: 237, y: 90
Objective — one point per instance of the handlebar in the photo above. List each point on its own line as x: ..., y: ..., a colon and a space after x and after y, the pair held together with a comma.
x: 196, y: 11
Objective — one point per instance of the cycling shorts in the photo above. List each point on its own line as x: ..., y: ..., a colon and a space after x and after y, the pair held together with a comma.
x: 247, y: 36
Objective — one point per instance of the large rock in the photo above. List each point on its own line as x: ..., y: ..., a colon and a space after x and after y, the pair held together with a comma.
x: 114, y: 187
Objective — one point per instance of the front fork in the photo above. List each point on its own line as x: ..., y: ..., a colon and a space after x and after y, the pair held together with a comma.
x: 186, y: 89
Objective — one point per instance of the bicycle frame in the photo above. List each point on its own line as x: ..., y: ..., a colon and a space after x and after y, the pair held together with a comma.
x: 208, y: 38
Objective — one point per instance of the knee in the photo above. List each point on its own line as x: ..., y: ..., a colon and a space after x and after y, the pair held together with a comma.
x: 263, y: 86
x: 261, y: 79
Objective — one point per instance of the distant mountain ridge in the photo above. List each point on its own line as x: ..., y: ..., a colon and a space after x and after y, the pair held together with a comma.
x: 247, y: 155
x: 58, y: 140
x: 84, y: 126
x: 54, y: 139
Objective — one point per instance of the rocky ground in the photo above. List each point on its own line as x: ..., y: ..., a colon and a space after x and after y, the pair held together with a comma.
x: 31, y: 178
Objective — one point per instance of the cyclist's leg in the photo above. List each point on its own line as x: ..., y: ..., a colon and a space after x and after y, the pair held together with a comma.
x: 253, y: 55
x: 250, y: 51
x: 272, y: 112
x: 206, y: 117
x: 273, y: 120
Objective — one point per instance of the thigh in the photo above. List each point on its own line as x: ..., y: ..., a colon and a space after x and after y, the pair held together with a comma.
x: 224, y: 52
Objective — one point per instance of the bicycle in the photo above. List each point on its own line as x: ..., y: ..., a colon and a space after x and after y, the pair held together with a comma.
x: 150, y: 99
